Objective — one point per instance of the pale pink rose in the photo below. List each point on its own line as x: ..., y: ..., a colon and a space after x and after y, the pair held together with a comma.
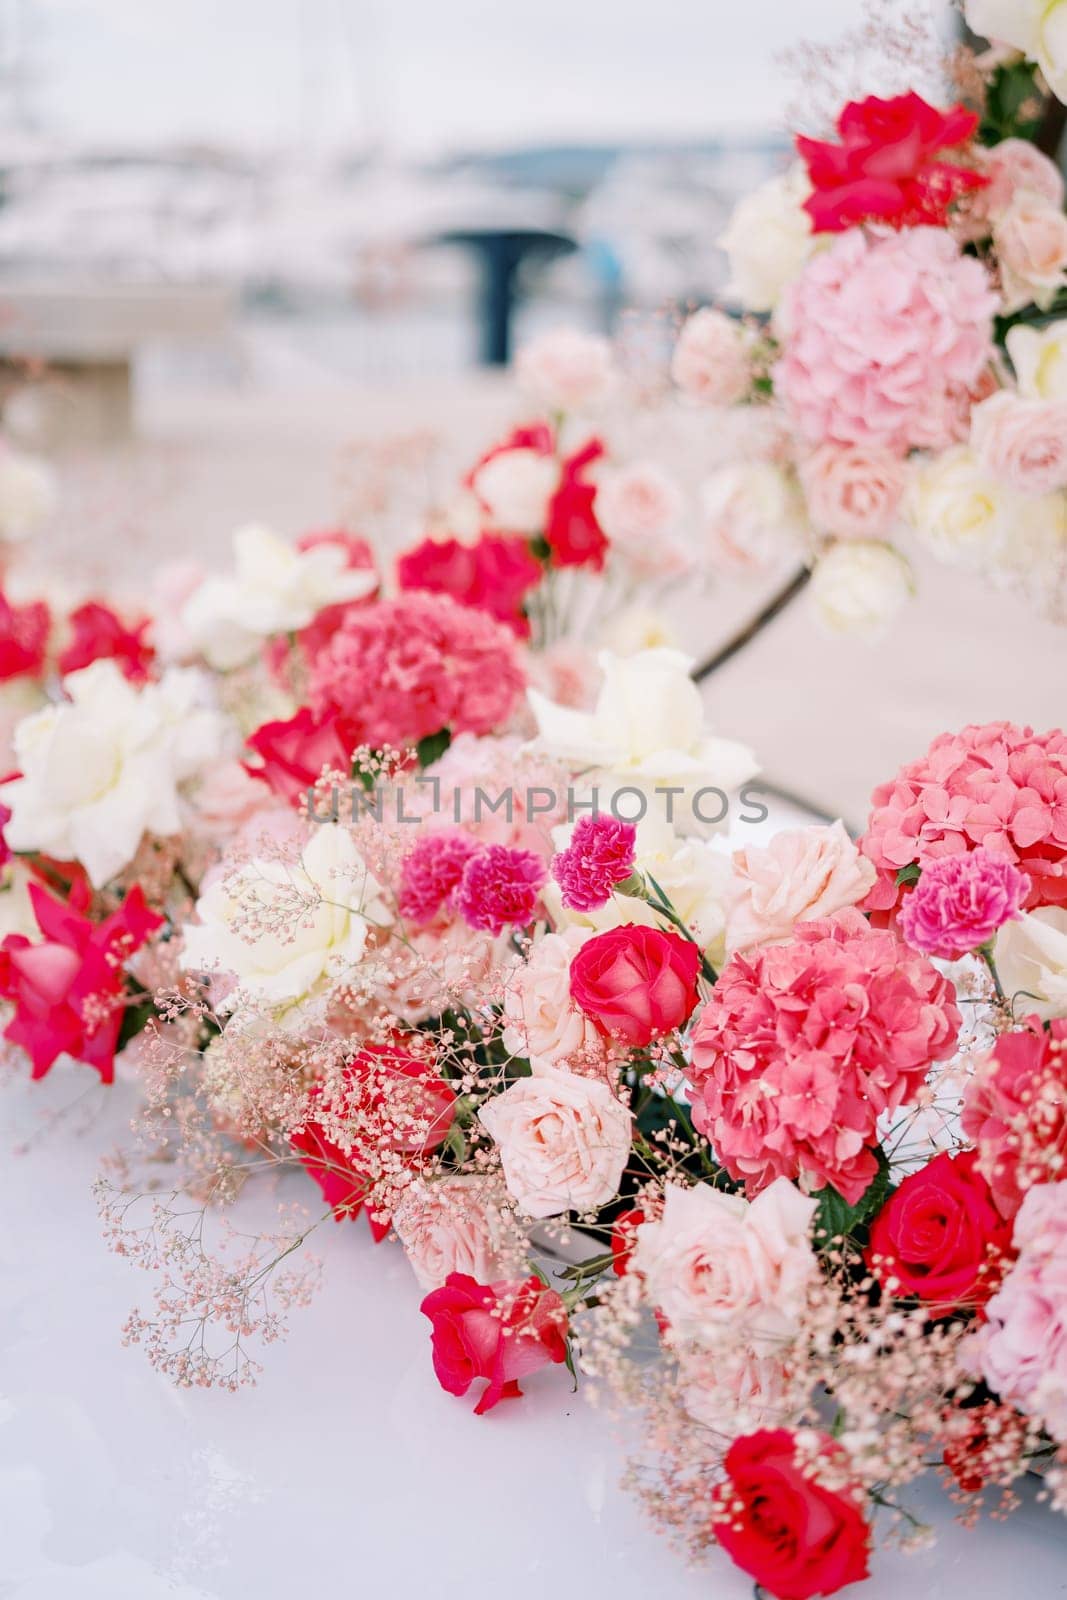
x: 541, y: 1020
x: 564, y: 1142
x: 1031, y: 241
x: 496, y: 790
x: 1012, y: 166
x: 801, y: 875
x: 566, y: 370
x: 225, y: 800
x: 1021, y: 1351
x: 565, y: 672
x: 460, y: 1224
x: 515, y: 487
x: 1023, y: 442
x: 712, y: 359
x: 733, y: 1391
x: 722, y: 1269
x: 638, y: 505
x: 853, y: 490
x: 753, y: 516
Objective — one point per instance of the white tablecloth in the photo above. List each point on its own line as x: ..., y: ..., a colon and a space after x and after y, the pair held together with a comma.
x: 347, y: 1471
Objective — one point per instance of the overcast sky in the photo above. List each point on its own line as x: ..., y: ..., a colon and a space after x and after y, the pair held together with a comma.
x: 422, y: 75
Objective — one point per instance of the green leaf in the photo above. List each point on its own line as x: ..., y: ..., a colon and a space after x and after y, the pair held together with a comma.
x: 134, y: 1019
x: 433, y: 746
x: 909, y: 874
x: 836, y: 1219
x: 1013, y: 105
x: 540, y: 549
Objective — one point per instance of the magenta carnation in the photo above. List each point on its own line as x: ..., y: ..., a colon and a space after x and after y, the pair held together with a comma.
x: 960, y: 902
x: 600, y: 855
x: 802, y: 1046
x: 400, y: 670
x: 994, y: 785
x: 432, y: 871
x: 500, y: 887
x: 887, y: 336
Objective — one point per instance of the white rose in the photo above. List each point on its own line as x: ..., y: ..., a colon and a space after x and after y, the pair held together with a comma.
x: 27, y: 493
x: 515, y: 487
x: 288, y: 931
x: 753, y: 515
x: 722, y: 1269
x: 103, y: 768
x: 768, y: 240
x: 541, y: 1020
x: 638, y: 628
x: 273, y: 588
x: 859, y: 587
x: 1036, y: 27
x: 647, y: 727
x: 801, y: 875
x: 564, y: 1142
x: 1039, y: 356
x: 458, y: 1225
x: 958, y: 508
x: 565, y: 370
x: 1031, y: 956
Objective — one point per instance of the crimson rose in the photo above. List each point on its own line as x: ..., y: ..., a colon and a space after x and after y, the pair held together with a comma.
x: 498, y: 1331
x: 636, y: 983
x: 939, y: 1237
x: 778, y: 1523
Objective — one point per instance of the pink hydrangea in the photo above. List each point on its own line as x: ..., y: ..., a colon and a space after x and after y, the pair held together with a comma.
x: 432, y: 871
x: 1021, y: 1350
x: 802, y: 1046
x: 960, y: 902
x: 500, y: 888
x: 402, y: 669
x: 600, y: 855
x: 1015, y: 1111
x: 887, y: 336
x: 995, y: 785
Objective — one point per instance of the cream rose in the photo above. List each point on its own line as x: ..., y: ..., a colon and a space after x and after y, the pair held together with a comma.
x: 288, y: 930
x: 722, y: 1269
x: 565, y: 370
x: 802, y: 874
x: 457, y: 1225
x: 957, y: 507
x: 853, y: 490
x: 753, y: 515
x: 1023, y: 442
x: 1031, y: 956
x: 859, y: 587
x: 1031, y: 241
x: 564, y: 1142
x: 1039, y: 356
x: 1036, y: 27
x: 27, y: 493
x: 712, y: 359
x: 768, y: 240
x: 515, y: 487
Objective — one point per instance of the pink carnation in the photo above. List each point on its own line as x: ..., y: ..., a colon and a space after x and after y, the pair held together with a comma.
x: 432, y: 872
x: 600, y: 855
x: 802, y: 1047
x: 886, y: 337
x: 995, y: 785
x: 960, y: 902
x: 400, y: 670
x: 499, y: 888
x: 1015, y: 1111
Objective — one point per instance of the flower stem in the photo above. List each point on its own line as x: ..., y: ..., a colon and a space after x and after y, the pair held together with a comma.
x: 755, y: 625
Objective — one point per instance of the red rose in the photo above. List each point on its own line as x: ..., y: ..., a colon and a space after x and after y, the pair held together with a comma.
x: 780, y: 1525
x: 624, y: 1239
x: 572, y: 531
x: 636, y: 983
x: 886, y: 167
x: 940, y: 1237
x: 499, y: 1331
x: 100, y: 634
x: 294, y: 752
x: 24, y: 634
x: 494, y: 575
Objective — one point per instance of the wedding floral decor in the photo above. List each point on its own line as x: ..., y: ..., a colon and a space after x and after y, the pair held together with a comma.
x: 382, y: 888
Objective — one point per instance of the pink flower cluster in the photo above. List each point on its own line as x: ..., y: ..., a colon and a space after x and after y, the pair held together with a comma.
x: 403, y: 669
x: 802, y: 1046
x: 1015, y: 1110
x: 960, y: 902
x: 600, y: 855
x: 993, y: 784
x: 887, y: 337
